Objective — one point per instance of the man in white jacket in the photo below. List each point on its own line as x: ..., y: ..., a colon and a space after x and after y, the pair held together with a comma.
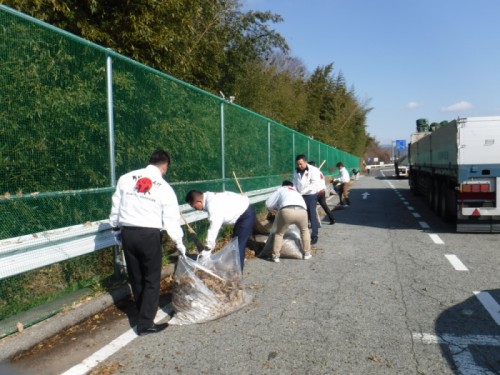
x: 307, y: 181
x: 225, y: 208
x: 342, y: 184
x: 291, y: 209
x: 142, y: 205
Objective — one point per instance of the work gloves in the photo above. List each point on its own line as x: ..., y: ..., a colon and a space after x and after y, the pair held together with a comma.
x: 181, y: 249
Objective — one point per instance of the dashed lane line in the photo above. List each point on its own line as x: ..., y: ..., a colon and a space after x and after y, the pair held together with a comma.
x: 456, y: 263
x: 436, y: 239
x: 424, y: 225
x: 489, y: 304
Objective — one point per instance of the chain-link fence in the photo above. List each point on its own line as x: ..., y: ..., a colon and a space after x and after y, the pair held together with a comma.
x: 75, y: 116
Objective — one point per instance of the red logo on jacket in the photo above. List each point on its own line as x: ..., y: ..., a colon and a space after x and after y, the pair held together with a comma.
x: 144, y: 185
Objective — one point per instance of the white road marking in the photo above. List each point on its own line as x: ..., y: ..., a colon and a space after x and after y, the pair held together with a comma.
x: 456, y: 263
x: 410, y: 208
x: 437, y: 240
x: 490, y: 305
x: 423, y: 224
x: 107, y: 351
x: 459, y: 349
x: 416, y: 214
x: 102, y: 354
x: 407, y: 203
x: 402, y: 198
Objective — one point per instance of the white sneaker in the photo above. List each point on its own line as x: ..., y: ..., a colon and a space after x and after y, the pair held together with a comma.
x: 276, y: 260
x: 307, y: 256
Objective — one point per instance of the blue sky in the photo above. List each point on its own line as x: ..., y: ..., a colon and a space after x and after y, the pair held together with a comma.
x: 434, y: 59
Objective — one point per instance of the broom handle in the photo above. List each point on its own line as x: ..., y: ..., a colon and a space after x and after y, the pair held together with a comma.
x: 191, y: 230
x: 237, y: 183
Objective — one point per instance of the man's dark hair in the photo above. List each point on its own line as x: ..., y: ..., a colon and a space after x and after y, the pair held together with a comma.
x: 287, y: 183
x: 159, y: 157
x: 301, y: 157
x: 313, y: 163
x: 339, y: 164
x: 192, y: 195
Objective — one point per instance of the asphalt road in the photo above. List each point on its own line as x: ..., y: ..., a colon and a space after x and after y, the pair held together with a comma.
x: 391, y: 289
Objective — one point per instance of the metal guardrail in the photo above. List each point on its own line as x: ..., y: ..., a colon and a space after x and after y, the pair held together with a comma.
x: 32, y: 251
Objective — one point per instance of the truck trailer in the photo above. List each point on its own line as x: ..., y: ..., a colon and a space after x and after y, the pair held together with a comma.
x: 456, y: 166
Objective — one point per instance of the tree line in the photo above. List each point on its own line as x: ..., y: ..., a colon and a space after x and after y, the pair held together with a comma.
x: 221, y: 48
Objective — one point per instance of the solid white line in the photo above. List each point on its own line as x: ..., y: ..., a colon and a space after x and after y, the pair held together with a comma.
x: 459, y: 349
x: 437, y: 240
x: 490, y: 305
x: 456, y: 263
x: 423, y: 224
x: 416, y: 214
x: 102, y: 354
x: 107, y: 351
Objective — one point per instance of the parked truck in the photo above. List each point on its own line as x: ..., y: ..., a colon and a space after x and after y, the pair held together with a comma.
x: 456, y: 166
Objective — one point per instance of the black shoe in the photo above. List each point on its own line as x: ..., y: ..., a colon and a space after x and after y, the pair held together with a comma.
x: 153, y: 329
x: 332, y: 221
x: 314, y: 240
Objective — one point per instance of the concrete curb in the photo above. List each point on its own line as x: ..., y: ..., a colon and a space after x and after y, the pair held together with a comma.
x: 19, y: 342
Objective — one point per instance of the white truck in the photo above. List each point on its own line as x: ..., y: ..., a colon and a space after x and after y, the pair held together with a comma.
x: 457, y: 168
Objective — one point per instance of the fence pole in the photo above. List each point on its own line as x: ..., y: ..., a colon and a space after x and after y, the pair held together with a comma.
x: 223, y: 149
x: 117, y: 255
x: 111, y: 123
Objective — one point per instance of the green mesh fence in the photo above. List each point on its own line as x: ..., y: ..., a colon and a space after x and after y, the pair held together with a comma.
x: 67, y: 133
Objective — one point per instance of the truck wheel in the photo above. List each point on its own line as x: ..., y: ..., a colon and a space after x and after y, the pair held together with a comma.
x: 443, y: 202
x: 436, y: 197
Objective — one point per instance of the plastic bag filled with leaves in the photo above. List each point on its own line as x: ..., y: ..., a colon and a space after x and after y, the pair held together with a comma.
x: 210, y: 288
x: 291, y: 248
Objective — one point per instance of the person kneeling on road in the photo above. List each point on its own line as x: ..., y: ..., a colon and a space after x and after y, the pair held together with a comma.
x: 291, y: 210
x: 225, y: 208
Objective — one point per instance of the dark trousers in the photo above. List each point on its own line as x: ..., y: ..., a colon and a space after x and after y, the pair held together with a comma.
x: 324, y: 205
x: 311, y: 201
x: 143, y: 253
x: 243, y: 228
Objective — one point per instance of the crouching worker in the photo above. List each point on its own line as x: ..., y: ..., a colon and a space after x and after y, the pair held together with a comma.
x: 291, y: 209
x: 225, y: 208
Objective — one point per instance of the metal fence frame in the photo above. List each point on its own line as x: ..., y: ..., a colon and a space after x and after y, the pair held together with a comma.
x: 28, y: 252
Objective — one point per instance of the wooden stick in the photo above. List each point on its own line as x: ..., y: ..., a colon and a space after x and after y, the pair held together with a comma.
x: 237, y: 183
x: 193, y: 235
x: 322, y: 164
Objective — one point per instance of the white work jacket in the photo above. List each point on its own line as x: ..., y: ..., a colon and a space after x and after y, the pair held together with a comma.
x: 285, y: 196
x: 310, y: 182
x: 223, y: 208
x: 144, y: 199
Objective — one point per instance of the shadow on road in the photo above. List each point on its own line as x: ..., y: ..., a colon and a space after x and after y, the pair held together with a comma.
x: 469, y: 337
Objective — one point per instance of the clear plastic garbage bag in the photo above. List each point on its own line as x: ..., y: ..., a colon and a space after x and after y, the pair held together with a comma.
x: 209, y: 288
x: 292, y: 246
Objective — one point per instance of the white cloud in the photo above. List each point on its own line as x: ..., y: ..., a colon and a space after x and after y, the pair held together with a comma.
x: 412, y: 105
x: 460, y: 106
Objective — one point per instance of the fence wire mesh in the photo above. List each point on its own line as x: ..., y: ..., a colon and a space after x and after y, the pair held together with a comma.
x: 63, y: 142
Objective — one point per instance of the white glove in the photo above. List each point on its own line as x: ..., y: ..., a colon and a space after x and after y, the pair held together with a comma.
x: 182, y: 249
x: 205, y: 254
x: 118, y: 236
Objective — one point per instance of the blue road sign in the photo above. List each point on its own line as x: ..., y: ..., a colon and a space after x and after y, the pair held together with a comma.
x: 401, y: 144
